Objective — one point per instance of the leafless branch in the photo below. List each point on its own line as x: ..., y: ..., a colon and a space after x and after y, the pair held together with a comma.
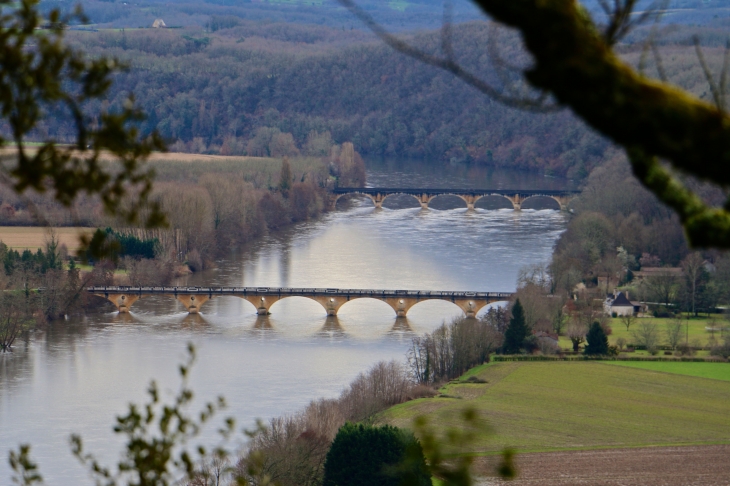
x: 723, y: 74
x: 622, y: 18
x: 446, y: 32
x: 448, y: 63
x: 659, y: 63
x: 717, y: 95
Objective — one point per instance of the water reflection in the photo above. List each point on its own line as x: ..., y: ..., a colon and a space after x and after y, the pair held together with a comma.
x: 332, y: 327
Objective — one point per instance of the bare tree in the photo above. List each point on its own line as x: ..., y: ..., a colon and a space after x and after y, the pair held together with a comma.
x: 646, y: 334
x: 692, y: 266
x: 576, y: 332
x: 662, y: 286
x: 674, y: 332
x: 213, y: 471
x: 627, y: 320
x: 16, y: 315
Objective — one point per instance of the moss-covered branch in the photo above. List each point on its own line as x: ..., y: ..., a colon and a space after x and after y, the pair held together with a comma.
x: 575, y: 62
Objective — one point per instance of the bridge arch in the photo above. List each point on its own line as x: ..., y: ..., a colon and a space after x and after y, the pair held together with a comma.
x: 436, y: 304
x: 321, y: 302
x: 403, y: 196
x: 552, y: 202
x: 348, y: 195
x: 445, y: 197
x: 494, y: 201
x: 380, y: 302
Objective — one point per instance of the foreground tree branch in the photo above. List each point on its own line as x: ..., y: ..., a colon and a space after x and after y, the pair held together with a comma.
x: 651, y: 119
x: 41, y: 77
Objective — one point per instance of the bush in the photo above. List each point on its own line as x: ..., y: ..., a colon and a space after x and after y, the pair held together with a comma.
x: 364, y: 455
x: 721, y: 350
x: 685, y: 349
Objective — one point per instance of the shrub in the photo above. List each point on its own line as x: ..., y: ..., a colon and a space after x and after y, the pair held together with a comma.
x: 548, y: 345
x: 722, y: 350
x: 364, y: 455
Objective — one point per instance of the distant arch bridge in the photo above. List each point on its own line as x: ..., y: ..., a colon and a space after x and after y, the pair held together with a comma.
x: 331, y: 300
x: 470, y: 196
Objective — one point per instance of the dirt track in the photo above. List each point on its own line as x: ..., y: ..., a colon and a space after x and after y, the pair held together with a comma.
x: 651, y: 466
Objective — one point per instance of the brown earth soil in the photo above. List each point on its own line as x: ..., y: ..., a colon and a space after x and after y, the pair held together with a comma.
x: 34, y: 237
x: 650, y: 466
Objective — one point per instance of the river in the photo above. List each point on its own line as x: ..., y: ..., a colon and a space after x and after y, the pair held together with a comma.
x: 76, y: 376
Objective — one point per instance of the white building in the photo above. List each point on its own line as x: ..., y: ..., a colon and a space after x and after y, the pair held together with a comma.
x: 618, y: 304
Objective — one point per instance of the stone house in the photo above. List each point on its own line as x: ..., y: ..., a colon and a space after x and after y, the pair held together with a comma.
x: 618, y: 304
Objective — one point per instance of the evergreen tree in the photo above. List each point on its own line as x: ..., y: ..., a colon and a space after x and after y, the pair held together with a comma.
x: 517, y: 330
x: 363, y: 455
x: 597, y: 341
x: 285, y: 178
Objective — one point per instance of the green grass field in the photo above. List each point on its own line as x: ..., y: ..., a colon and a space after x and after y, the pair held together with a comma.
x: 713, y: 371
x: 544, y: 406
x: 697, y: 330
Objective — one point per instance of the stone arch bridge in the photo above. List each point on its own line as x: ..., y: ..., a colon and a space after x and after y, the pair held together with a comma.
x: 470, y: 197
x: 331, y: 300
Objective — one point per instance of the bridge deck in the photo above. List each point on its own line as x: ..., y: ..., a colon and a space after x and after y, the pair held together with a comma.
x: 257, y: 291
x: 461, y: 192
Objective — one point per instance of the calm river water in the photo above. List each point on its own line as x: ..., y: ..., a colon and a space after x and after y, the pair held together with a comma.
x: 79, y: 374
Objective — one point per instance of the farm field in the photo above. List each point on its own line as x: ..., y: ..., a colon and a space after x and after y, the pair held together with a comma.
x: 713, y: 371
x: 550, y: 406
x: 697, y: 330
x: 650, y: 466
x: 34, y: 237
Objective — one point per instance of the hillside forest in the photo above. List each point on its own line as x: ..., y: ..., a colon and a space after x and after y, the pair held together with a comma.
x: 225, y: 88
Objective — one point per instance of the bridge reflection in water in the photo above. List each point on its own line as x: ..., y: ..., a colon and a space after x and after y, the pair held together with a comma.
x: 332, y: 300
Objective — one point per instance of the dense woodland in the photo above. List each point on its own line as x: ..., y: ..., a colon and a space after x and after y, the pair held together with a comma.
x: 215, y: 92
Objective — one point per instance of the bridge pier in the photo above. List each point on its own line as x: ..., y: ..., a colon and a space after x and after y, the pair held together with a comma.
x: 563, y: 201
x: 192, y: 302
x: 424, y: 199
x: 378, y: 200
x: 262, y: 304
x: 122, y: 301
x: 401, y: 305
x: 331, y: 304
x: 470, y: 201
x: 469, y: 306
x: 517, y: 201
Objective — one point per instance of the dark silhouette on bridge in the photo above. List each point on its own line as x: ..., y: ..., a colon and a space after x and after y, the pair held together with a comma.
x: 470, y: 196
x: 331, y: 299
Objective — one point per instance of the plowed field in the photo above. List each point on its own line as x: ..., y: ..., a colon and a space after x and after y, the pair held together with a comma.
x: 651, y: 466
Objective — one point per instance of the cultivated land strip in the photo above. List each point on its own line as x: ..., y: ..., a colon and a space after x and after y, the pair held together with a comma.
x: 701, y: 370
x: 539, y: 406
x: 651, y: 466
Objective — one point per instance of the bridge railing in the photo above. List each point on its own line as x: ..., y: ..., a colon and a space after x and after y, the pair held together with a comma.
x: 296, y: 291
